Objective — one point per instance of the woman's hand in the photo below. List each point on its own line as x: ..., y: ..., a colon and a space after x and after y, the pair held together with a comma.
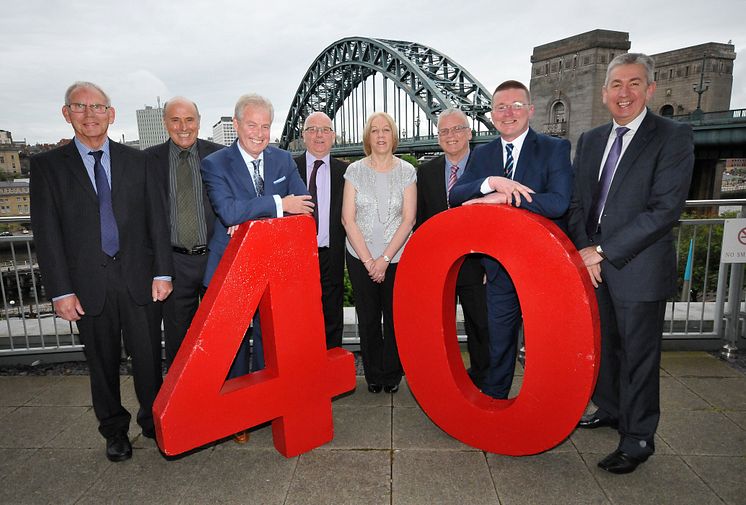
x: 377, y: 270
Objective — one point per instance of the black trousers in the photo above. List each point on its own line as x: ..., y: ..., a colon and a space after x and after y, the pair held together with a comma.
x: 473, y: 300
x: 377, y: 341
x: 179, y: 308
x: 628, y: 385
x: 332, y: 300
x: 101, y: 335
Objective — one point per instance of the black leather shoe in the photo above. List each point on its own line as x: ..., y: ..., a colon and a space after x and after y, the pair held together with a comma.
x: 148, y: 434
x: 620, y: 462
x: 593, y: 422
x: 375, y: 388
x: 391, y: 389
x: 118, y: 448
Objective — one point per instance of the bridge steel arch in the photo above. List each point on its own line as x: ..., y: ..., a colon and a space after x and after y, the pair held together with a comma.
x: 428, y: 77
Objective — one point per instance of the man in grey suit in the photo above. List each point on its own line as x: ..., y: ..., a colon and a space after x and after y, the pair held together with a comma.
x: 191, y: 218
x: 102, y: 246
x: 324, y: 177
x: 632, y: 177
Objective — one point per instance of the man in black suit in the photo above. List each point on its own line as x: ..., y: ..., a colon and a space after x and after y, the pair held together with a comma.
x: 632, y: 177
x: 191, y: 217
x: 434, y: 180
x: 102, y: 246
x: 326, y: 190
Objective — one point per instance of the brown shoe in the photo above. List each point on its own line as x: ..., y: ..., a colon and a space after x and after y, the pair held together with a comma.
x: 241, y: 437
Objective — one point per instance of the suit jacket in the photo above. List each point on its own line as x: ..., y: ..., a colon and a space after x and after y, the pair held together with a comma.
x: 231, y: 190
x: 67, y: 230
x: 645, y: 201
x: 543, y: 165
x: 336, y: 230
x: 160, y: 154
x: 431, y: 199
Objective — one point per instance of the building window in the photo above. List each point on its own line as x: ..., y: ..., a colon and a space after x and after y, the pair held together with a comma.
x: 666, y: 110
x: 558, y: 113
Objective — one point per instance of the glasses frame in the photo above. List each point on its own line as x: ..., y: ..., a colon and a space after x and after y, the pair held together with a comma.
x: 326, y: 130
x: 516, y: 106
x: 456, y: 130
x: 96, y: 108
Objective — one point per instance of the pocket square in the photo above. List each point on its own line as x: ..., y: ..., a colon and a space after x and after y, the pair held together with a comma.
x: 278, y: 181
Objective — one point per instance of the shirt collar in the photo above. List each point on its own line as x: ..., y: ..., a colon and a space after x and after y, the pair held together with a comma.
x: 461, y: 163
x: 246, y: 156
x: 83, y: 149
x: 174, y: 149
x: 517, y: 142
x: 310, y: 158
x: 633, y: 125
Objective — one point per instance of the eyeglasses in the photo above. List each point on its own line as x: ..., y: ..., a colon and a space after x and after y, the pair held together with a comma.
x: 97, y: 108
x: 318, y: 129
x: 515, y: 106
x: 443, y: 132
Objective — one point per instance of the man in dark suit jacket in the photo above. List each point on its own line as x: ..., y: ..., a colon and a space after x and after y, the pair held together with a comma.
x: 521, y: 168
x: 191, y: 217
x: 434, y: 179
x: 632, y: 179
x: 250, y: 180
x: 326, y: 192
x: 104, y: 273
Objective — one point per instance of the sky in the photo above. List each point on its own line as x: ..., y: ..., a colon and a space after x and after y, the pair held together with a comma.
x: 212, y: 52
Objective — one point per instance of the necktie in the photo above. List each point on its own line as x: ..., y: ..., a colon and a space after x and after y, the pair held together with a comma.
x: 258, y: 181
x: 314, y: 193
x: 186, y: 203
x: 451, y: 182
x: 509, y: 161
x: 604, y: 182
x: 109, y: 231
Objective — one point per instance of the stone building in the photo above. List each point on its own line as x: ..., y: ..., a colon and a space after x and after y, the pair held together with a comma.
x: 14, y: 198
x: 10, y: 163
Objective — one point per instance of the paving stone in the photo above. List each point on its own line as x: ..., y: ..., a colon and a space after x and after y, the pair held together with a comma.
x: 69, y: 391
x: 11, y: 460
x: 738, y: 417
x: 544, y: 478
x: 441, y: 477
x: 82, y: 434
x: 722, y: 393
x: 146, y: 478
x: 696, y: 364
x: 361, y: 397
x: 675, y: 395
x: 260, y: 438
x: 19, y: 390
x: 6, y: 410
x: 241, y: 477
x: 702, y: 433
x: 361, y: 428
x: 725, y: 475
x: 414, y: 430
x: 404, y: 398
x: 56, y: 476
x: 341, y: 477
x: 29, y: 427
x: 662, y: 480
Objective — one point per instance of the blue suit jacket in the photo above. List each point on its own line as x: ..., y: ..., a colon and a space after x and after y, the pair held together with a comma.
x: 232, y: 194
x: 543, y: 165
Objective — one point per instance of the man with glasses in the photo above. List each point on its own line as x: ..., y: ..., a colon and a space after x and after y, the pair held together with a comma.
x: 528, y: 170
x: 434, y: 181
x: 103, y: 250
x: 191, y: 217
x: 324, y: 177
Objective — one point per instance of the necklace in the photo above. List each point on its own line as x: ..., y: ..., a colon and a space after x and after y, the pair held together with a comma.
x: 388, y: 196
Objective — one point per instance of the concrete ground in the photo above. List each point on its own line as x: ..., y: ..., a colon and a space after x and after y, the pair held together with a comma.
x: 385, y: 451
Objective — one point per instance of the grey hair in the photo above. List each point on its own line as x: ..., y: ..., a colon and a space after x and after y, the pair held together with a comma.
x: 253, y: 100
x: 179, y: 99
x: 452, y: 111
x: 632, y: 59
x: 85, y: 84
x: 313, y: 114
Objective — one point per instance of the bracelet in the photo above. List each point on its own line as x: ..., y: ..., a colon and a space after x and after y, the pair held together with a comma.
x: 367, y: 261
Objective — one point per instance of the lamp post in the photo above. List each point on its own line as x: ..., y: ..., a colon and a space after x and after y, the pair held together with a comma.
x: 699, y: 89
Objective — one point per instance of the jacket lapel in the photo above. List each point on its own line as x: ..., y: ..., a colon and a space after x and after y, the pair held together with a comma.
x: 75, y: 165
x: 118, y: 186
x: 641, y: 139
x: 596, y: 147
x: 241, y: 174
x: 526, y: 157
x: 270, y: 173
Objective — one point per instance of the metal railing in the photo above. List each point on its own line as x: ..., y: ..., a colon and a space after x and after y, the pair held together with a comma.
x: 698, y: 315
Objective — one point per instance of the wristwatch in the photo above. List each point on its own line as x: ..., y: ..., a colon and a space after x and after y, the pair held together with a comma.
x: 386, y: 259
x: 600, y: 251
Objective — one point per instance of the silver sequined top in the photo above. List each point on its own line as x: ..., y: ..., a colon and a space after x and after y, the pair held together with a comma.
x: 379, y: 197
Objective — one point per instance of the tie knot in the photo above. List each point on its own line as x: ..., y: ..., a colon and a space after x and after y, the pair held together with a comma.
x: 620, y: 131
x: 183, y: 155
x: 454, y: 169
x: 317, y: 164
x: 509, y: 148
x: 256, y: 164
x: 96, y: 155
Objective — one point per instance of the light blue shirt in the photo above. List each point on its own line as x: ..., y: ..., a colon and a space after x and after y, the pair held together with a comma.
x: 461, y: 167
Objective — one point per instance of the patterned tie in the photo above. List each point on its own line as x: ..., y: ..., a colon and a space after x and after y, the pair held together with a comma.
x: 509, y: 161
x: 314, y: 192
x: 451, y: 183
x: 186, y: 203
x: 604, y: 182
x: 258, y: 181
x: 109, y: 230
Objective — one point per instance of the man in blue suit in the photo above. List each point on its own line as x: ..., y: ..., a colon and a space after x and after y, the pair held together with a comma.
x: 521, y: 168
x: 250, y: 180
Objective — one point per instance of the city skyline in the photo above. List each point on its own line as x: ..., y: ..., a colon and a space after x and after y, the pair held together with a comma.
x: 213, y: 54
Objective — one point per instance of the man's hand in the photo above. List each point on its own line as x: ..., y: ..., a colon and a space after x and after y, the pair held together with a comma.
x: 232, y: 229
x: 68, y: 308
x: 511, y: 189
x: 302, y: 204
x: 489, y: 199
x: 592, y: 260
x: 161, y: 289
